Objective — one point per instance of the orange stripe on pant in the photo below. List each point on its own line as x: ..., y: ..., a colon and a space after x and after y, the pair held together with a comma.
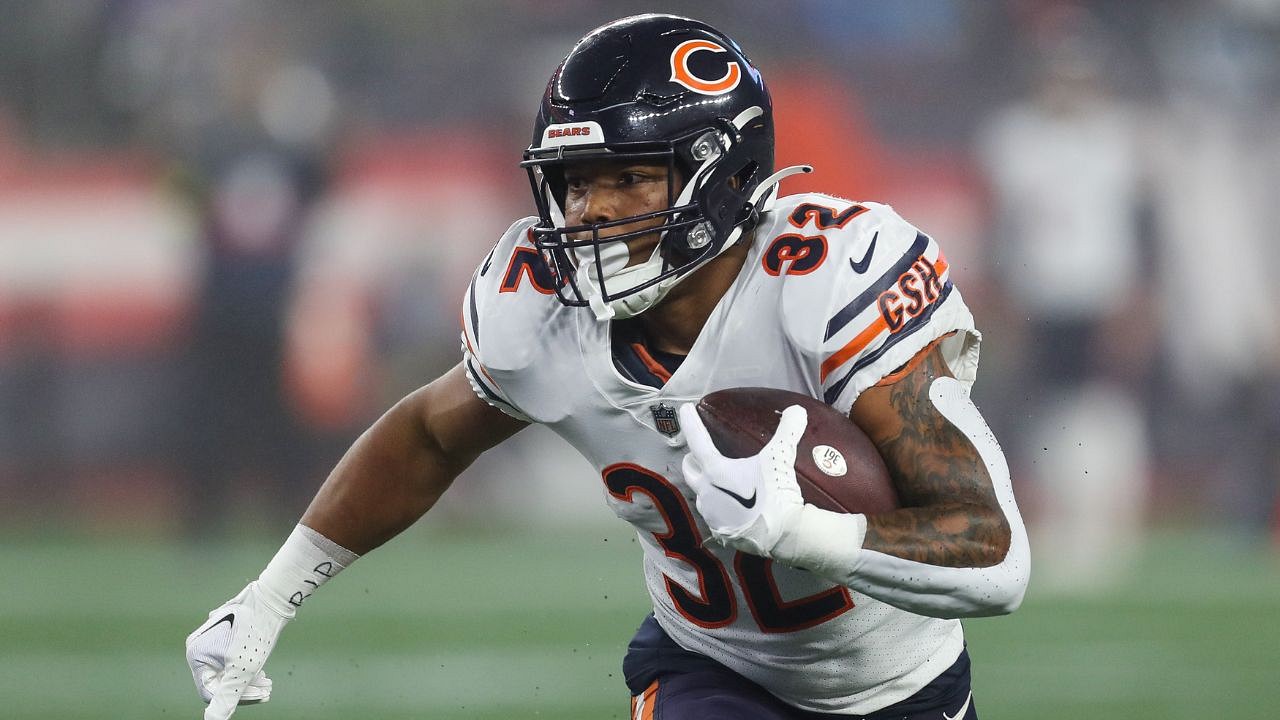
x: 642, y: 705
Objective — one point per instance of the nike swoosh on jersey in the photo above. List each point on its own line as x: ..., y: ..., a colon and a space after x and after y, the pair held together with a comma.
x: 963, y: 708
x: 862, y: 265
x: 746, y: 502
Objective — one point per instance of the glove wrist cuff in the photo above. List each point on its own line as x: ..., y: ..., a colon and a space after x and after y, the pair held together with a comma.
x: 304, y: 562
x: 826, y: 543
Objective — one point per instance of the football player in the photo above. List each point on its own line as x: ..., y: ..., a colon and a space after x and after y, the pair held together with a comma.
x: 662, y: 266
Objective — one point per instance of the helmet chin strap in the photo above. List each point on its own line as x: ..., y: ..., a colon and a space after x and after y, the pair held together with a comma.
x: 614, y: 257
x: 627, y: 305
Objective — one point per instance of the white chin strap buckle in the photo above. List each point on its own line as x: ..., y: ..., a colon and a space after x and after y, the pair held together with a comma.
x: 603, y: 311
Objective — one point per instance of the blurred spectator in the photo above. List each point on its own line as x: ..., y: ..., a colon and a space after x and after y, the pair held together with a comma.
x: 1064, y: 169
x: 254, y: 167
x: 1216, y: 179
x: 31, y: 466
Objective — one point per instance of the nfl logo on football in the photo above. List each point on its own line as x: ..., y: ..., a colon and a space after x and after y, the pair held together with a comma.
x: 664, y: 419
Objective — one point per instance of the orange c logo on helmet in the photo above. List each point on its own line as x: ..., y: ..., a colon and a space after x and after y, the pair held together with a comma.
x: 680, y: 72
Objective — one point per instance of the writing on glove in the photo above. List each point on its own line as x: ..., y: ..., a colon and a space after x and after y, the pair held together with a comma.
x: 227, y: 652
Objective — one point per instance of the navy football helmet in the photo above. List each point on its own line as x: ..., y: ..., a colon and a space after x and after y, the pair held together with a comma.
x: 651, y: 88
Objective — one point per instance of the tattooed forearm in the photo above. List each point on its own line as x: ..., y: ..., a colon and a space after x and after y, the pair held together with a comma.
x: 949, y: 514
x: 948, y: 536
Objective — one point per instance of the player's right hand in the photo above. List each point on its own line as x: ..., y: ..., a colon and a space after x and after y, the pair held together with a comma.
x: 747, y: 503
x: 227, y: 652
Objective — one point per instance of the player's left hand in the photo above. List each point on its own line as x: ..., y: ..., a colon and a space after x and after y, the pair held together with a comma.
x: 747, y: 503
x: 227, y: 652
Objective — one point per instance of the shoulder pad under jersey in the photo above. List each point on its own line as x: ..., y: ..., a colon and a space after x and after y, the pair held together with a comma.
x: 864, y: 292
x: 509, y: 300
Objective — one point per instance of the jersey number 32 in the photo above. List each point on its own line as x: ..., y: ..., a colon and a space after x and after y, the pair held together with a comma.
x: 716, y: 605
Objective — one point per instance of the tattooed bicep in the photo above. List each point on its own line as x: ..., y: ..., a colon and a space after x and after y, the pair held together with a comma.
x: 929, y: 459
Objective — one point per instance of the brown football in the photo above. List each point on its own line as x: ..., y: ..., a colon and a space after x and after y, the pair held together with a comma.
x: 837, y: 466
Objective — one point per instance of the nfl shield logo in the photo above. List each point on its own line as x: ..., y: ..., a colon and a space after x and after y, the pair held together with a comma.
x: 664, y: 418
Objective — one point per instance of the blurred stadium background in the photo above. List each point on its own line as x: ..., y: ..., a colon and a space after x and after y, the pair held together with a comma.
x: 232, y: 232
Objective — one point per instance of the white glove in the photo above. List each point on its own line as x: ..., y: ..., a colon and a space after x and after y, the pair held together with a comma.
x: 747, y: 503
x: 227, y: 652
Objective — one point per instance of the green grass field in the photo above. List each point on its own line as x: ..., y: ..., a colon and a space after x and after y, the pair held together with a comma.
x: 486, y: 626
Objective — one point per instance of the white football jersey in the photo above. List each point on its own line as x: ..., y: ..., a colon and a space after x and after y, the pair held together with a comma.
x: 833, y: 296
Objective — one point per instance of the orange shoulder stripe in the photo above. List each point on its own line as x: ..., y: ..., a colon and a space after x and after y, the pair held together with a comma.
x: 853, y: 347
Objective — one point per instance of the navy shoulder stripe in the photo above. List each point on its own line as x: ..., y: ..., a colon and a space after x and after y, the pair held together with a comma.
x: 908, y: 329
x: 886, y: 281
x: 479, y: 380
x: 475, y: 312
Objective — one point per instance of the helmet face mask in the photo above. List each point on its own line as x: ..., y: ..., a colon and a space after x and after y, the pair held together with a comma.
x: 631, y: 92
